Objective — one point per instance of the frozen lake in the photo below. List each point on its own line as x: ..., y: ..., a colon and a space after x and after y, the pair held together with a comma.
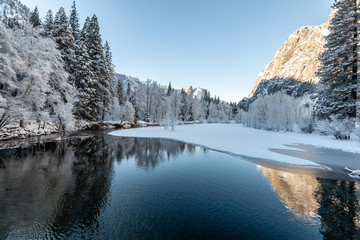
x: 96, y: 186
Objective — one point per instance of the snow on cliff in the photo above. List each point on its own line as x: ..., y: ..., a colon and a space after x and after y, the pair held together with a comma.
x: 298, y: 58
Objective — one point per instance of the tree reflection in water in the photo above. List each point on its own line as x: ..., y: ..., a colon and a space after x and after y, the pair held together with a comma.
x: 335, y: 203
x: 339, y: 209
x: 60, y: 189
x: 50, y: 188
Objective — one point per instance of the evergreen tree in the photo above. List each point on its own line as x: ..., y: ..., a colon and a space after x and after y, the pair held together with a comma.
x: 183, y: 105
x: 128, y: 90
x: 85, y: 107
x: 35, y: 18
x: 84, y: 30
x: 338, y: 73
x: 74, y: 22
x: 205, y: 103
x: 169, y: 90
x: 108, y: 58
x: 65, y: 41
x: 133, y: 101
x: 48, y: 25
x: 104, y: 92
x: 120, y: 92
x: 190, y: 113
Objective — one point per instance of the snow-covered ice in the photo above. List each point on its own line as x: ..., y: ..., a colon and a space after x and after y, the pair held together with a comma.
x: 239, y: 140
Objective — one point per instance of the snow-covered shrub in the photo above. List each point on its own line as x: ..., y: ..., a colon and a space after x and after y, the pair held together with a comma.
x: 128, y: 112
x: 280, y: 112
x: 340, y: 129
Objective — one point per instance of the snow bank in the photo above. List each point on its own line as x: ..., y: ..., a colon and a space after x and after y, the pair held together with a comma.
x: 13, y: 131
x: 239, y: 140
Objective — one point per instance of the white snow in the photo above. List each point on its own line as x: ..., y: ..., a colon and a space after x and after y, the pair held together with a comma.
x: 239, y: 140
x: 353, y: 173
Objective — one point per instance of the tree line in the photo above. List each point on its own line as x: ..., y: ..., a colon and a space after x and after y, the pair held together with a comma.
x: 64, y: 73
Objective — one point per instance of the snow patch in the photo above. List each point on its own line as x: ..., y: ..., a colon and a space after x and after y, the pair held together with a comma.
x: 239, y: 140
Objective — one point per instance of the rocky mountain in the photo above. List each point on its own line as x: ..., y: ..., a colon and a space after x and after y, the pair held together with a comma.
x: 134, y: 82
x: 298, y: 58
x: 196, y: 92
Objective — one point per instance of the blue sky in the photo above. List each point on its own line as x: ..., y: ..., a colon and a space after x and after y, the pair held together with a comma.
x: 220, y: 45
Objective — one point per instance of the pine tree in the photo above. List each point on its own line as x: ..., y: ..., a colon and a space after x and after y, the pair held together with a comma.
x: 110, y: 68
x: 84, y: 30
x: 104, y: 94
x: 169, y: 90
x: 48, y: 25
x: 108, y: 58
x: 85, y: 108
x: 74, y: 22
x: 338, y: 73
x: 120, y: 92
x: 133, y: 101
x: 128, y: 91
x: 183, y: 106
x: 65, y: 41
x: 35, y: 18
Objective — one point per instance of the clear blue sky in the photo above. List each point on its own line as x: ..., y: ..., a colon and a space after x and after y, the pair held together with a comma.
x: 220, y: 45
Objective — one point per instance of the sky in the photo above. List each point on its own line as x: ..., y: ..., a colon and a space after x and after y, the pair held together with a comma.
x: 220, y: 45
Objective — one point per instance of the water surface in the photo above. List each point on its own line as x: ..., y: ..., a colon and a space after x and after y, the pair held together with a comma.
x: 95, y: 186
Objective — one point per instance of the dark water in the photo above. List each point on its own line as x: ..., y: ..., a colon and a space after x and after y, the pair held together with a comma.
x: 103, y: 187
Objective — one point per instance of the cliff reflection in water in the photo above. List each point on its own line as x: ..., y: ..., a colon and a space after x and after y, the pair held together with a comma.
x: 51, y: 188
x: 335, y: 203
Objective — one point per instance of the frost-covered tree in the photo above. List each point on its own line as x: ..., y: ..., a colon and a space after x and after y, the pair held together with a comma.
x: 65, y: 41
x: 34, y: 89
x: 183, y: 106
x: 48, y: 25
x: 74, y: 22
x: 84, y: 30
x: 109, y: 59
x: 128, y: 90
x: 86, y: 85
x: 128, y: 112
x: 280, y: 112
x: 104, y: 95
x: 120, y: 92
x: 169, y: 90
x: 338, y: 74
x: 35, y: 18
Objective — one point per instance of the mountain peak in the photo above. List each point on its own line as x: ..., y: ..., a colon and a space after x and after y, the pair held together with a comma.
x: 298, y: 58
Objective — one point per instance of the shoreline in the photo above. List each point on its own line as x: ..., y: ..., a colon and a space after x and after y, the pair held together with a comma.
x: 248, y: 142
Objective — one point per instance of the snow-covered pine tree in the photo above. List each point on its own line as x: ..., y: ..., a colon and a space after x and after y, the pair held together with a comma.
x: 205, y: 103
x: 104, y: 94
x: 110, y: 68
x: 128, y: 91
x: 183, y: 106
x: 133, y: 101
x: 84, y: 30
x: 35, y: 18
x: 338, y: 75
x: 86, y: 84
x: 169, y: 90
x: 74, y: 23
x: 109, y: 59
x: 65, y: 41
x: 48, y: 25
x: 120, y: 92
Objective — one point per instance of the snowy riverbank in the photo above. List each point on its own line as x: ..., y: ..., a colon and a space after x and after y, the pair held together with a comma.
x: 239, y: 140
